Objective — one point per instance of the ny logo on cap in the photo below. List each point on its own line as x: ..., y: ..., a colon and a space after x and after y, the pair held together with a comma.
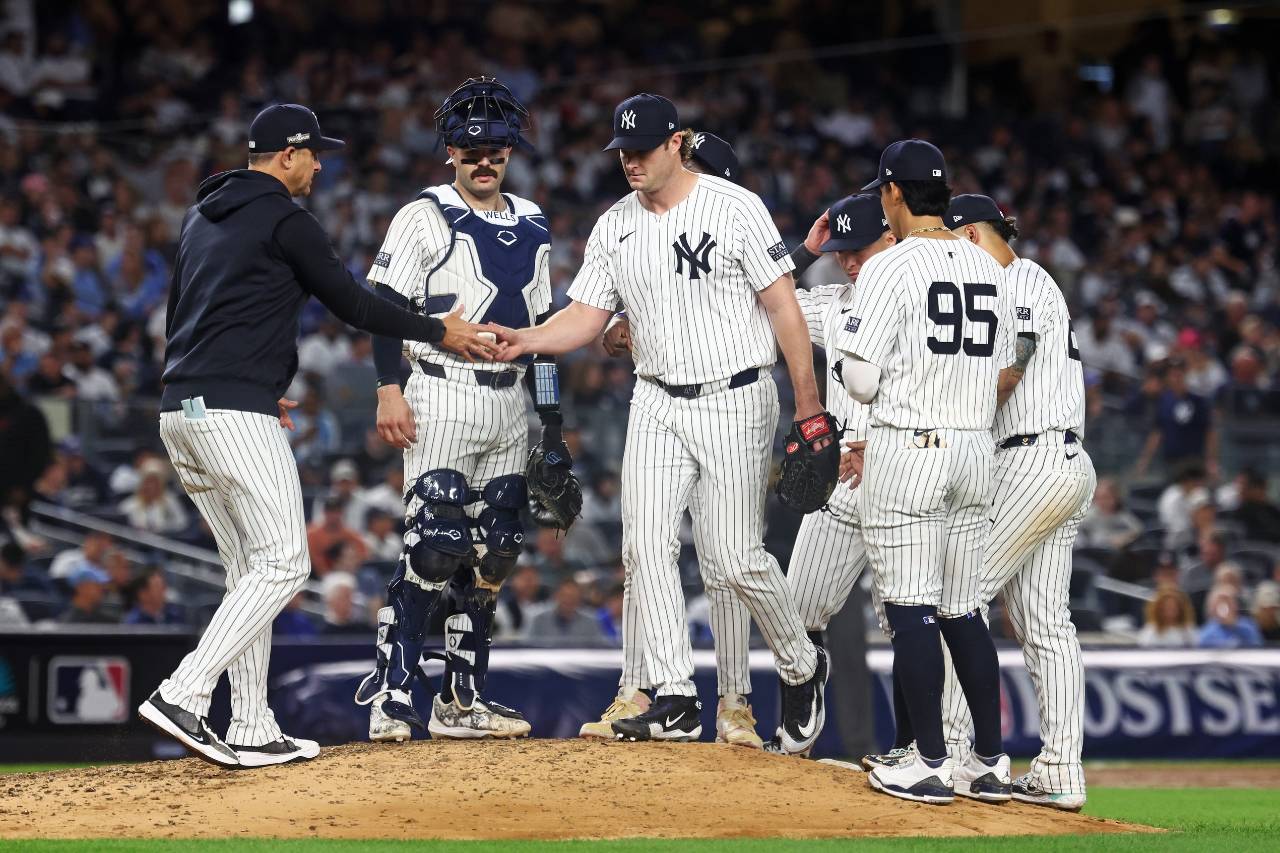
x: 697, y: 139
x: 842, y: 223
x: 629, y: 120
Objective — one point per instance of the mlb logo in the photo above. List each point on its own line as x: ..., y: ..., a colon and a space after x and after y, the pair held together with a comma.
x: 88, y: 690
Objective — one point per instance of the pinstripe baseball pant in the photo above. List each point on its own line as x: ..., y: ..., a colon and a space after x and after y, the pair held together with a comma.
x: 924, y: 514
x: 240, y: 473
x: 1042, y: 494
x: 730, y: 620
x: 723, y: 441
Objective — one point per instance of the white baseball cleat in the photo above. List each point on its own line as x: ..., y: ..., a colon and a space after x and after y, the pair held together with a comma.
x: 887, y: 759
x: 918, y: 779
x: 735, y: 723
x: 1027, y: 789
x: 385, y: 729
x: 630, y: 702
x: 450, y: 721
x: 282, y: 750
x: 983, y: 779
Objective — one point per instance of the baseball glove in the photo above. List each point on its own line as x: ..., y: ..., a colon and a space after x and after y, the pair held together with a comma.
x: 555, y: 497
x: 809, y: 475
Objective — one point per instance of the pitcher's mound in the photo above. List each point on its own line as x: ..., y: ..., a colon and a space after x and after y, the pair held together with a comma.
x: 521, y: 789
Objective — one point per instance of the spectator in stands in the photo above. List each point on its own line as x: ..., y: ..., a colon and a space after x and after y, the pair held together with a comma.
x: 91, y: 553
x: 549, y: 555
x: 1199, y: 573
x: 49, y: 379
x: 326, y: 348
x: 86, y: 486
x: 120, y: 586
x: 92, y: 383
x: 1225, y: 627
x: 1203, y: 516
x: 610, y: 615
x: 386, y: 496
x: 16, y: 575
x: 1184, y: 431
x: 603, y: 501
x: 24, y: 454
x: 1178, y: 499
x: 1259, y: 517
x: 1266, y: 610
x: 327, y: 534
x: 1170, y: 620
x: 1102, y: 348
x: 1205, y: 374
x: 344, y: 481
x: 151, y: 605
x: 293, y: 621
x: 127, y: 476
x: 88, y: 589
x: 382, y: 539
x: 565, y: 622
x: 1246, y: 393
x: 315, y: 432
x: 1108, y: 524
x: 153, y: 507
x: 518, y: 601
x: 343, y: 611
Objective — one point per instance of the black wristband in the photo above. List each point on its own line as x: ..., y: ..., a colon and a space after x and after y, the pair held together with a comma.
x: 803, y: 259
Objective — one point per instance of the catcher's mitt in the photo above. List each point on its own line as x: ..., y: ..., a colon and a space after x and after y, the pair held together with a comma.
x: 555, y: 497
x: 809, y: 475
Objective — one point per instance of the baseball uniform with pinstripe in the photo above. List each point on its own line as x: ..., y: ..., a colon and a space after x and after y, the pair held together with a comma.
x: 933, y: 315
x: 689, y: 280
x: 1044, y: 485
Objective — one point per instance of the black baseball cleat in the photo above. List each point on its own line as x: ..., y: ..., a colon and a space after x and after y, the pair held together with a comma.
x: 676, y: 718
x: 282, y: 750
x: 804, y: 710
x: 187, y: 729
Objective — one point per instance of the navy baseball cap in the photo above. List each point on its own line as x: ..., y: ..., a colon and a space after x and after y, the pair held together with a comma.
x: 856, y: 222
x: 716, y: 155
x: 283, y: 125
x: 970, y: 208
x: 910, y: 160
x: 643, y: 122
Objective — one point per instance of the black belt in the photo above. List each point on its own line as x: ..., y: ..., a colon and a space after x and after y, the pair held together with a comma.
x: 688, y: 392
x: 1068, y: 437
x: 487, y: 378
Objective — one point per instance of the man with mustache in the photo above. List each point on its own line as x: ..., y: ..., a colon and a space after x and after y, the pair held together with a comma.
x: 462, y: 246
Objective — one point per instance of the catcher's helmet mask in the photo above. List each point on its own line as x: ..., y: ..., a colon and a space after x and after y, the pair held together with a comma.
x: 482, y: 113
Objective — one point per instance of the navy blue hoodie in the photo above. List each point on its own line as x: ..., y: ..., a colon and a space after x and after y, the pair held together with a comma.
x: 248, y: 260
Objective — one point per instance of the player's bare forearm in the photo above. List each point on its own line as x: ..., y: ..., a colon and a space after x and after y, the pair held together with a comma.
x: 566, y: 331
x: 1023, y: 348
x: 789, y: 327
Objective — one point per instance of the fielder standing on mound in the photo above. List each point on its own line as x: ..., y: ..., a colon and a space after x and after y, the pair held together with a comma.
x: 705, y: 279
x: 248, y: 260
x: 1044, y: 484
x: 463, y: 430
x: 926, y: 341
x: 707, y: 154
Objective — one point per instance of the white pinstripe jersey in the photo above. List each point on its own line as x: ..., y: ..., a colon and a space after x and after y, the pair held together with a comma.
x: 1051, y: 393
x: 825, y: 308
x: 935, y: 317
x: 498, y: 266
x: 688, y: 279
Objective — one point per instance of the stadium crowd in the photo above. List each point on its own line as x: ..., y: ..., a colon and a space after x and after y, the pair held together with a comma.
x: 1148, y: 191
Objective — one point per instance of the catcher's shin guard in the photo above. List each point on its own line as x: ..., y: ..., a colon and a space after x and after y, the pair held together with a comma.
x: 467, y: 637
x: 402, y: 629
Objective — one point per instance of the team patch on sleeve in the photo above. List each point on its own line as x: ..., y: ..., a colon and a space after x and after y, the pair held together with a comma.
x: 1024, y: 313
x: 778, y: 251
x: 851, y: 325
x: 382, y: 259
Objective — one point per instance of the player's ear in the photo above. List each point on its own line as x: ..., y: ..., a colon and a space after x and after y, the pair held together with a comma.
x: 971, y: 233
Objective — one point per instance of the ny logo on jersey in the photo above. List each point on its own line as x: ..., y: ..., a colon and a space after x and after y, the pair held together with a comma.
x: 843, y: 224
x: 629, y: 120
x: 699, y: 259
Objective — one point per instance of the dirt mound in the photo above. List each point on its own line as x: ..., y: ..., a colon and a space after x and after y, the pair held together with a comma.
x: 522, y: 789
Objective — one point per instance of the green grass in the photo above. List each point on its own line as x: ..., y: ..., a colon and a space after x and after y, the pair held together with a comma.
x: 42, y: 768
x: 1200, y: 819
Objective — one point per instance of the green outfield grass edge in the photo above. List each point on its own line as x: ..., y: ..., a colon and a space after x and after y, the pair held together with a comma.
x: 1198, y: 819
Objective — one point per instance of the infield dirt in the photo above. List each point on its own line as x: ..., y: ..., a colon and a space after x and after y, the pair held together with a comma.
x: 543, y: 789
